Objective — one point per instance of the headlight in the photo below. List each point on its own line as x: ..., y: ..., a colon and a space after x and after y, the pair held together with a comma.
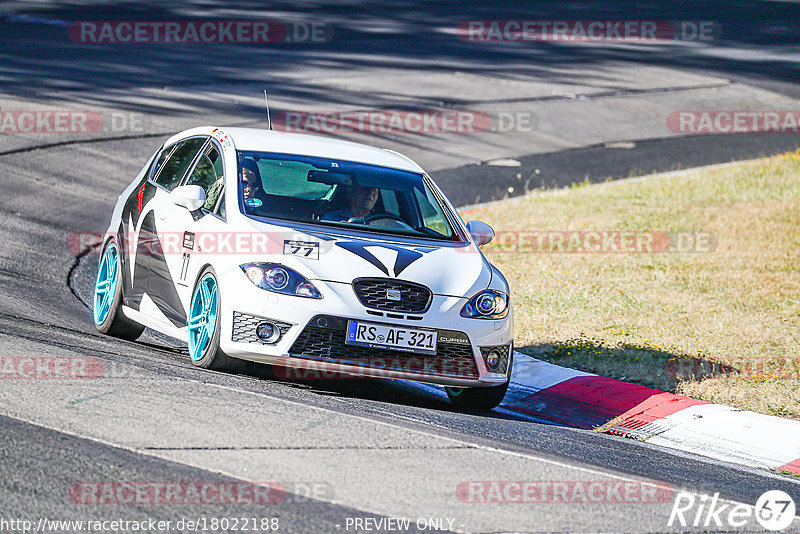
x: 488, y: 304
x: 280, y: 279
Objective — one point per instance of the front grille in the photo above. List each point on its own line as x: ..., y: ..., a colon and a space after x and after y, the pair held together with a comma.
x: 502, y: 367
x: 372, y: 293
x: 323, y: 340
x: 244, y: 327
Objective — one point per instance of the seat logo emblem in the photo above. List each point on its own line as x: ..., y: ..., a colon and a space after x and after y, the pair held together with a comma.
x: 393, y: 294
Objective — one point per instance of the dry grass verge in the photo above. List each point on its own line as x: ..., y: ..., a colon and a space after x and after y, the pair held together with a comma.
x: 721, y: 323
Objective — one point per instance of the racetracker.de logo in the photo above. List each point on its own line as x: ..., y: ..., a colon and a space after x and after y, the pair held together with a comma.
x: 731, y: 121
x: 179, y: 493
x: 636, y: 31
x: 45, y: 122
x: 403, y: 365
x: 50, y: 368
x: 599, y: 242
x: 179, y: 243
x: 693, y: 368
x: 199, y: 31
x: 384, y: 121
x: 563, y: 491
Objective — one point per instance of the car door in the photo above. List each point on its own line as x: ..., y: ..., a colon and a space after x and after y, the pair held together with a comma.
x: 158, y: 242
x: 185, y: 230
x: 135, y: 265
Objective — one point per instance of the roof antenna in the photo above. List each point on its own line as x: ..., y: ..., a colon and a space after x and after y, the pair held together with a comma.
x: 269, y: 119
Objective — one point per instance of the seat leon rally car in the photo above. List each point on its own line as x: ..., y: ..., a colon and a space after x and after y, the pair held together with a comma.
x: 306, y: 253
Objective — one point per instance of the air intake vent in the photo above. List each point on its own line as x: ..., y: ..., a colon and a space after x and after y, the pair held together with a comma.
x: 392, y: 295
x: 453, y: 358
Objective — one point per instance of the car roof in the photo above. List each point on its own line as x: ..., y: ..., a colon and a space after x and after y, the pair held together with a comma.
x: 262, y: 140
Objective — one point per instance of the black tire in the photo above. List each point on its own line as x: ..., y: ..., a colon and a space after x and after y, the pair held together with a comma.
x: 477, y: 399
x: 115, y: 323
x: 212, y: 358
x: 481, y: 399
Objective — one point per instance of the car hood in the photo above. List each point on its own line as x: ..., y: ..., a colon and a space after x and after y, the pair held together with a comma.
x: 447, y: 270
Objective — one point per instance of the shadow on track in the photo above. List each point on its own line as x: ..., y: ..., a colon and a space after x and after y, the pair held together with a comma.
x: 40, y: 59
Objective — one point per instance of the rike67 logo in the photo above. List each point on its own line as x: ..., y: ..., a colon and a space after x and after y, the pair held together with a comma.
x: 774, y: 510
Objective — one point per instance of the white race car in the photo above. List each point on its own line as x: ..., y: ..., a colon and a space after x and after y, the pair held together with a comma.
x: 306, y: 253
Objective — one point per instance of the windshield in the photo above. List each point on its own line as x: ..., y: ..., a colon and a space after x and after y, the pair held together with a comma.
x: 341, y: 193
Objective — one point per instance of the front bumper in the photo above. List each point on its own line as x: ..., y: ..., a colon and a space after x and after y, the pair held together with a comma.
x: 312, y: 344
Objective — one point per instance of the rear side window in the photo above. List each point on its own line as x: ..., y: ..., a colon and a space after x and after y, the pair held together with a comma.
x: 208, y: 175
x: 159, y: 162
x: 221, y: 205
x: 171, y: 172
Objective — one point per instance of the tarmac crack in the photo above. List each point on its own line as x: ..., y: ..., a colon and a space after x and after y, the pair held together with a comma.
x: 69, y: 142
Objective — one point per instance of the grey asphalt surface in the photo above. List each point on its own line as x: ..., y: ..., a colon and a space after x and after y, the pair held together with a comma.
x: 375, y: 448
x: 606, y: 161
x: 50, y: 464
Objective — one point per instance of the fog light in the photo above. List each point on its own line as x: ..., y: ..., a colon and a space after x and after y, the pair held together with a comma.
x: 268, y: 332
x: 493, y: 359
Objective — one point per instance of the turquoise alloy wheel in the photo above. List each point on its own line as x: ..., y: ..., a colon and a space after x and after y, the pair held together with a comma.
x: 202, y: 316
x: 106, y: 285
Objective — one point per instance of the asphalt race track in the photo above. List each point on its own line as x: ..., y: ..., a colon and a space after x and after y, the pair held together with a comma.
x: 350, y: 455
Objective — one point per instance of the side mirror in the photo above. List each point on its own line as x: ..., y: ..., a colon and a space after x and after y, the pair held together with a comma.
x: 191, y: 197
x: 481, y: 232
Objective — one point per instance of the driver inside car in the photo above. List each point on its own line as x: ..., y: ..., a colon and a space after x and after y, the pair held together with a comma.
x: 361, y: 201
x: 252, y: 186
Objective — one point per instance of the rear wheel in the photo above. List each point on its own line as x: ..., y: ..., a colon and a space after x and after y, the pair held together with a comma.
x: 477, y: 399
x: 108, y: 316
x: 204, y: 324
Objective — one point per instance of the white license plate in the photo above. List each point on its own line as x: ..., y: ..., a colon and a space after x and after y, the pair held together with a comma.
x: 391, y: 337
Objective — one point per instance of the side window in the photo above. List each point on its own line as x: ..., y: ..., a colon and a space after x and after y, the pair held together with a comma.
x: 432, y: 216
x: 172, y: 171
x: 159, y: 161
x: 221, y: 206
x: 208, y: 175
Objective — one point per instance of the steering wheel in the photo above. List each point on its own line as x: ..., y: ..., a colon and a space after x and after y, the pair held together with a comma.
x: 379, y: 216
x: 387, y: 216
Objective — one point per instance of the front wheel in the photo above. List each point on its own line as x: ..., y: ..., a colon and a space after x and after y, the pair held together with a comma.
x: 477, y: 399
x: 108, y: 316
x: 204, y: 324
